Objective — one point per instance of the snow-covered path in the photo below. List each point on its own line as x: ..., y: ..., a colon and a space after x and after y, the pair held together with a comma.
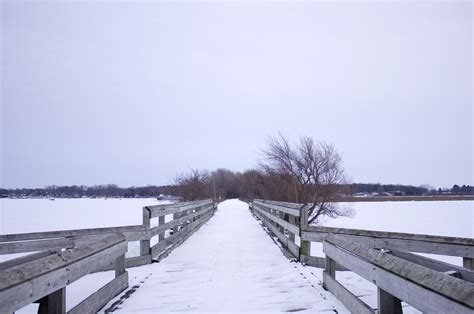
x: 230, y: 264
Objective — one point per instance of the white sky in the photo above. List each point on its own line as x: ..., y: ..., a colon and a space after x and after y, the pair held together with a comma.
x: 132, y: 93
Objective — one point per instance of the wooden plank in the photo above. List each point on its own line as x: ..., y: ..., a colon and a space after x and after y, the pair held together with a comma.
x: 330, y: 267
x: 25, y: 259
x: 421, y: 287
x: 145, y: 244
x: 161, y: 222
x: 389, y: 235
x: 178, y: 221
x: 319, y: 262
x: 26, y: 283
x: 35, y: 245
x: 160, y: 247
x: 421, y: 246
x: 350, y: 301
x: 286, y: 242
x: 466, y: 274
x: 170, y: 205
x: 131, y: 233
x: 189, y: 232
x: 119, y: 265
x: 54, y: 302
x: 133, y: 261
x: 277, y: 220
x: 177, y: 209
x: 387, y: 303
x: 281, y: 208
x: 468, y: 263
x: 97, y: 300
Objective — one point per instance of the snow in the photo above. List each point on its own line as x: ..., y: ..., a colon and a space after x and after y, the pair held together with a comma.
x: 444, y: 218
x: 36, y: 215
x: 230, y: 263
x: 220, y: 267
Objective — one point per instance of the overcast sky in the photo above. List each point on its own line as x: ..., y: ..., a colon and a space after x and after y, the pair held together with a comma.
x: 133, y: 93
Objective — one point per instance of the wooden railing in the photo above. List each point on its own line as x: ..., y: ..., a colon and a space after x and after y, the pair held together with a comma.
x: 283, y: 219
x: 187, y: 218
x: 42, y: 277
x: 419, y: 243
x: 384, y: 258
x: 61, y: 257
x: 399, y: 276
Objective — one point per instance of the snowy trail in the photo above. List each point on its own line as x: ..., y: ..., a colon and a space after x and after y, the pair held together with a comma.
x: 230, y: 264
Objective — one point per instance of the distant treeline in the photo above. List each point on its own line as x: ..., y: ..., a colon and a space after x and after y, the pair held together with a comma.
x: 223, y: 184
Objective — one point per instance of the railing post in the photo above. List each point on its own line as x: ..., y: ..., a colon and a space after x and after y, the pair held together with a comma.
x: 161, y: 222
x: 305, y: 246
x: 387, y: 303
x: 145, y: 244
x: 468, y: 262
x: 53, y: 303
x: 281, y: 228
x: 119, y: 266
x: 330, y: 270
x: 291, y: 235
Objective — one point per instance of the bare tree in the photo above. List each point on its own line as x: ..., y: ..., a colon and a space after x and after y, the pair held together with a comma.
x: 313, y: 170
x: 193, y: 185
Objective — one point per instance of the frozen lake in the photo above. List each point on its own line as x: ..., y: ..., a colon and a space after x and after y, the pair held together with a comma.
x: 449, y: 218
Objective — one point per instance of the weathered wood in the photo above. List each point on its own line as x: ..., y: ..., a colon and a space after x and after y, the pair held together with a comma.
x: 178, y: 221
x: 405, y: 280
x: 35, y: 245
x: 330, y: 267
x: 28, y: 282
x: 119, y: 265
x: 387, y: 303
x: 54, y: 302
x: 179, y: 208
x: 277, y: 220
x: 305, y: 246
x: 282, y: 207
x: 170, y: 205
x: 131, y: 233
x: 176, y: 238
x: 400, y: 241
x: 291, y: 235
x: 350, y: 301
x: 25, y: 259
x: 97, y: 300
x: 161, y: 222
x: 465, y: 273
x: 145, y: 244
x: 319, y: 262
x: 468, y: 263
x: 133, y: 261
x: 286, y: 242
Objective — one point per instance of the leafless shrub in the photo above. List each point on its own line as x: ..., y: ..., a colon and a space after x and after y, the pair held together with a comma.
x: 313, y: 171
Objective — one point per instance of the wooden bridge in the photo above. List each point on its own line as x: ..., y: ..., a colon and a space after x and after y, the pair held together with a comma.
x: 240, y: 260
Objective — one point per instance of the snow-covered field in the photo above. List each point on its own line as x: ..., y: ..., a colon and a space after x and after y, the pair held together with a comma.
x: 453, y: 218
x: 444, y: 218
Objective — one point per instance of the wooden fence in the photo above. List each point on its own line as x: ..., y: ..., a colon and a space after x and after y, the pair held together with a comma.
x: 287, y: 219
x: 42, y: 277
x: 61, y: 257
x: 398, y: 279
